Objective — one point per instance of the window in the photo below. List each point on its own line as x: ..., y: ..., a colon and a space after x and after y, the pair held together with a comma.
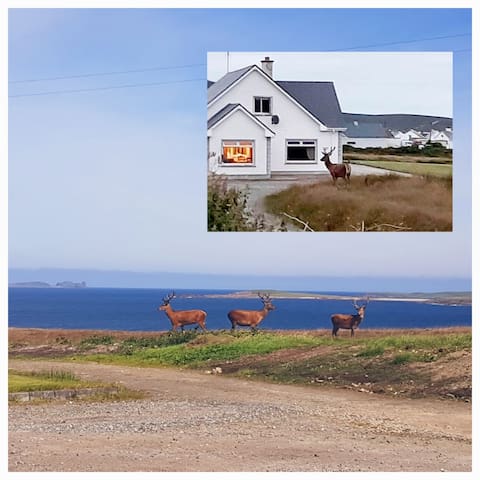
x: 301, y: 151
x: 262, y: 105
x: 237, y: 152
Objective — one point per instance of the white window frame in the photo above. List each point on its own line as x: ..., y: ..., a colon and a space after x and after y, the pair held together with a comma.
x: 242, y: 165
x: 262, y: 98
x: 301, y: 142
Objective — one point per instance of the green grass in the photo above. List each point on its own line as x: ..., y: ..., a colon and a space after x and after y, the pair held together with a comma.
x: 217, y: 348
x: 203, y: 349
x: 431, y: 169
x: 95, y: 340
x: 52, y: 380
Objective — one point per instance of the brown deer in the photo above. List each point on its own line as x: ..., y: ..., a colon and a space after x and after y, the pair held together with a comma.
x: 349, y: 322
x: 251, y: 318
x: 181, y: 318
x: 337, y: 170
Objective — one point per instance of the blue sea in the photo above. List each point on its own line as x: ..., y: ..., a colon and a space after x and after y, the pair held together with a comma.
x: 137, y: 310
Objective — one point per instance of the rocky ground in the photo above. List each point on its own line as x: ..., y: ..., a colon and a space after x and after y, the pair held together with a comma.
x: 193, y: 421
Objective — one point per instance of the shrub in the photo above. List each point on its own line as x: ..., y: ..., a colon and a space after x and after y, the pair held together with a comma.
x: 227, y: 207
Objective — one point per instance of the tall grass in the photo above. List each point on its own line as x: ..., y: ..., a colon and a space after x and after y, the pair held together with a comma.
x: 376, y: 203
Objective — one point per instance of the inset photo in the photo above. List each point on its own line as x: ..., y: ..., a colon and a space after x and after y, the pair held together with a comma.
x: 330, y: 141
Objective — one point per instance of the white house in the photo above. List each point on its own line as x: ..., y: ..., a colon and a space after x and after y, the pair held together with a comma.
x: 443, y: 137
x: 258, y: 125
x: 368, y: 135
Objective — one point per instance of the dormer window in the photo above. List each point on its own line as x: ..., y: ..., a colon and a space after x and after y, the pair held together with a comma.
x: 262, y: 105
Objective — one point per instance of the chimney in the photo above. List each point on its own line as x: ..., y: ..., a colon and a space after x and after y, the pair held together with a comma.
x: 267, y: 66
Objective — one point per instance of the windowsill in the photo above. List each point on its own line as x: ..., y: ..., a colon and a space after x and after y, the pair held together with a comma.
x: 300, y: 162
x: 243, y: 165
x: 263, y: 114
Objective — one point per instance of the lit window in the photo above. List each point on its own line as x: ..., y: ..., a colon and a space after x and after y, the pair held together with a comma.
x: 301, y: 151
x: 237, y: 152
x: 262, y: 104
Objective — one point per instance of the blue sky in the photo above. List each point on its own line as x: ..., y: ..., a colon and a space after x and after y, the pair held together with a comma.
x: 116, y: 179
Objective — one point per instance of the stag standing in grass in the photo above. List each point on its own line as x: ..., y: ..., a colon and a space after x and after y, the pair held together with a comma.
x: 349, y: 322
x: 337, y: 170
x: 181, y: 318
x: 251, y: 318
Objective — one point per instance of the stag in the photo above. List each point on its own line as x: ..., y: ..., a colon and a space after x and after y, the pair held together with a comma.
x: 181, y: 318
x: 251, y: 318
x: 337, y: 170
x: 349, y: 322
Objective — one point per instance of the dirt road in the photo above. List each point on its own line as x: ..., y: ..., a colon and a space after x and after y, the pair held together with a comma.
x: 197, y: 422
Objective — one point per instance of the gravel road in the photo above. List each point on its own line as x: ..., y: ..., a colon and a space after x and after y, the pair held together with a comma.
x: 192, y: 421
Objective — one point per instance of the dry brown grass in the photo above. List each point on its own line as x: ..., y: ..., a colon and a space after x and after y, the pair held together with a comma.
x: 382, y: 203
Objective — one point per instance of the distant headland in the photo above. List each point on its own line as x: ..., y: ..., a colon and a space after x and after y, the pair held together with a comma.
x: 65, y: 284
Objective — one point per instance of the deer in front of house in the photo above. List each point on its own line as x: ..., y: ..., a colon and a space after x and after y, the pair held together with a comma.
x: 337, y: 170
x: 251, y: 318
x: 349, y: 322
x: 180, y: 318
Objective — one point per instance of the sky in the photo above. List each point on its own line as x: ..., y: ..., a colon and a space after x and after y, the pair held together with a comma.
x: 115, y: 179
x: 366, y: 82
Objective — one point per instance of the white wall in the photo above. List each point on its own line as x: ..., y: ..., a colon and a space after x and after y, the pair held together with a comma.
x: 238, y: 126
x: 294, y: 124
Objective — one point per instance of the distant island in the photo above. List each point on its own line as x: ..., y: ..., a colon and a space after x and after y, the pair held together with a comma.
x: 65, y: 284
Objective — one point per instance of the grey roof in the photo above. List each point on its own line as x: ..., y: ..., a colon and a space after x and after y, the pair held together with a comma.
x: 402, y: 121
x: 319, y: 98
x: 215, y: 118
x: 223, y: 83
x: 366, y: 130
x: 221, y: 113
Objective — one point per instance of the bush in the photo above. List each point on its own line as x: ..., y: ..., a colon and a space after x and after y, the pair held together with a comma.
x: 227, y: 207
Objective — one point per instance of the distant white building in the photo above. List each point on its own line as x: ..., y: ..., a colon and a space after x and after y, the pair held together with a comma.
x: 445, y: 138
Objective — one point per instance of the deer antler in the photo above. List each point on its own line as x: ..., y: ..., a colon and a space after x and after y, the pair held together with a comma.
x: 355, y: 304
x: 326, y: 152
x: 264, y: 298
x: 170, y: 296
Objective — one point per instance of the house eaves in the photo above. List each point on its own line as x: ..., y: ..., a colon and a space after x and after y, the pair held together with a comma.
x: 228, y: 110
x: 224, y: 83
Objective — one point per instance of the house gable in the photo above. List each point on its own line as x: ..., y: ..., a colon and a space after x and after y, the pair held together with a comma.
x: 229, y: 110
x: 241, y: 77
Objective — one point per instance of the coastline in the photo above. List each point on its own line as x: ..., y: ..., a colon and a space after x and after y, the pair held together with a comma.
x: 462, y: 298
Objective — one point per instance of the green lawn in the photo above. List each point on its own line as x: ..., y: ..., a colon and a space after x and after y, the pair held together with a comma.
x: 433, y: 169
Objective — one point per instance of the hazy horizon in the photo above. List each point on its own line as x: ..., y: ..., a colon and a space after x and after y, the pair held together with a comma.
x: 219, y: 281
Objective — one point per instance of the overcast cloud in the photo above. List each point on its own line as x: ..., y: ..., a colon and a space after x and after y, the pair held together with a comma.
x: 366, y: 82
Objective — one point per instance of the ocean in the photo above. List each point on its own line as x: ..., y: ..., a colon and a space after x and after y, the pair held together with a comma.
x: 137, y: 310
